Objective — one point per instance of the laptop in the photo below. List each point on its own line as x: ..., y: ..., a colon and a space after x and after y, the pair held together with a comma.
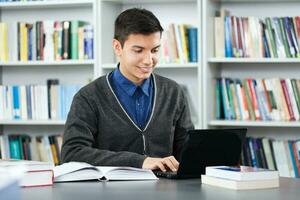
x: 207, y: 147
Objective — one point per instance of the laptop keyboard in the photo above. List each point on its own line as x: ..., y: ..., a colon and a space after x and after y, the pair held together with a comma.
x: 167, y: 174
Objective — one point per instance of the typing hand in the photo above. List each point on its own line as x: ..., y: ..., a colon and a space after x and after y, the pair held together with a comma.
x: 164, y: 164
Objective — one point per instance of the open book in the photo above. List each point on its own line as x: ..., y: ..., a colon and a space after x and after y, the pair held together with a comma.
x: 79, y: 171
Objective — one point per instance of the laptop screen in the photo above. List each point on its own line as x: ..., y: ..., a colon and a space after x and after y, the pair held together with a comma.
x: 210, y: 147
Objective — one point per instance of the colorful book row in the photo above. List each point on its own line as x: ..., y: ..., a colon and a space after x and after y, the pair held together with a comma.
x: 257, y: 99
x: 36, y: 102
x: 179, y: 44
x: 281, y: 155
x: 46, y: 40
x: 270, y: 37
x: 25, y: 147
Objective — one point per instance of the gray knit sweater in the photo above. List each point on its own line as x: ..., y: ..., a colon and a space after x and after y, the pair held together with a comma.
x: 99, y: 131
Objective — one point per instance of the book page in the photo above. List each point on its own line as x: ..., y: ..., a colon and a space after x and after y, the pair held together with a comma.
x: 127, y: 173
x: 70, y: 167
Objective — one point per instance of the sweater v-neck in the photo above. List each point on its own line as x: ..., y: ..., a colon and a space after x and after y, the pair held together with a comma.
x: 123, y: 109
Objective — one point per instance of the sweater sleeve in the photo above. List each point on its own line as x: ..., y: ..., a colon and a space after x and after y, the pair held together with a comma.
x: 183, y: 124
x: 79, y: 139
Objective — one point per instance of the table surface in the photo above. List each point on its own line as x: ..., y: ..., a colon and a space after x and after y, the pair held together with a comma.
x: 188, y: 189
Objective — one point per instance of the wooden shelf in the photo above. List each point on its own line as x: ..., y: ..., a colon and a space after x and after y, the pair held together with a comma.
x: 254, y: 60
x: 48, y: 63
x: 254, y: 123
x: 32, y: 122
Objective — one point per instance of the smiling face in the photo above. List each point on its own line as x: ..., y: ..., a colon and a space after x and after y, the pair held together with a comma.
x: 138, y: 56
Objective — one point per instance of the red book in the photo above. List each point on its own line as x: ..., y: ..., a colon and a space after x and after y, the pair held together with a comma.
x: 287, y: 99
x: 296, y: 156
x: 254, y: 99
x: 36, y: 173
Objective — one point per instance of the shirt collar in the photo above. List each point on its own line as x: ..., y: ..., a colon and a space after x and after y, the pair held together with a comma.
x: 128, y: 86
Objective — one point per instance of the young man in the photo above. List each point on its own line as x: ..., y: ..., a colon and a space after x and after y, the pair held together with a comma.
x: 130, y: 117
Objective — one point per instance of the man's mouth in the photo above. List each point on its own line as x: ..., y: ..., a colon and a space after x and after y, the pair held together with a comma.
x: 145, y: 69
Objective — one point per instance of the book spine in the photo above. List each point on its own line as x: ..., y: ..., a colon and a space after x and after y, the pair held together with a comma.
x: 193, y: 41
x: 287, y: 98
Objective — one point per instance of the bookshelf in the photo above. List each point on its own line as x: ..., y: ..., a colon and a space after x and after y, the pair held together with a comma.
x: 167, y: 11
x: 242, y: 68
x: 68, y: 72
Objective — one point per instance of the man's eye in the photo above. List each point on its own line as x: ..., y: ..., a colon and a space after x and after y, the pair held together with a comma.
x: 155, y: 50
x: 137, y: 51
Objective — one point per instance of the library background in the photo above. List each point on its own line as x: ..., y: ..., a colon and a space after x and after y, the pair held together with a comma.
x: 237, y: 60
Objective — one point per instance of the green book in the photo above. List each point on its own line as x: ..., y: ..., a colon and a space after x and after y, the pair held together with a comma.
x: 74, y: 46
x: 230, y: 98
x: 271, y: 35
x: 218, y: 99
x: 74, y: 39
x: 14, y: 147
x: 296, y: 93
x: 273, y: 101
x: 21, y: 147
x: 284, y: 37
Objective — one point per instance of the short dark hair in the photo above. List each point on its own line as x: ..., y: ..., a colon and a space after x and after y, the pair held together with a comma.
x: 135, y: 21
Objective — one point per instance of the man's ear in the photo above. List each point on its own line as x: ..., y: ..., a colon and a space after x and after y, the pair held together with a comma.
x: 117, y: 47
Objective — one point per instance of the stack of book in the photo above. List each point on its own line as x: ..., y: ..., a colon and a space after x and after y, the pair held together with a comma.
x: 36, y: 173
x: 240, y: 178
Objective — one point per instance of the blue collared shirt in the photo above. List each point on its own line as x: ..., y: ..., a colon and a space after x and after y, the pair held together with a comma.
x: 136, y: 100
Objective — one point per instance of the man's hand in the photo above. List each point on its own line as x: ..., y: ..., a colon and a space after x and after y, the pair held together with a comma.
x: 164, y: 164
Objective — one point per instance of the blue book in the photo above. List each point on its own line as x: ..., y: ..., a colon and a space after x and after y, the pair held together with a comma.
x: 88, y: 42
x: 193, y: 44
x: 29, y: 39
x: 253, y: 157
x: 28, y: 100
x: 259, y: 101
x: 16, y: 102
x: 267, y: 49
x: 228, y: 44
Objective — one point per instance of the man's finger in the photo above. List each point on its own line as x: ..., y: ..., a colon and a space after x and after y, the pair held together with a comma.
x: 169, y: 164
x: 174, y: 161
x: 161, y: 166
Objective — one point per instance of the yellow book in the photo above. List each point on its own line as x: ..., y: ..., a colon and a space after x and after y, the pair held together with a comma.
x: 54, y: 155
x: 184, y: 43
x: 24, y: 42
x: 3, y: 42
